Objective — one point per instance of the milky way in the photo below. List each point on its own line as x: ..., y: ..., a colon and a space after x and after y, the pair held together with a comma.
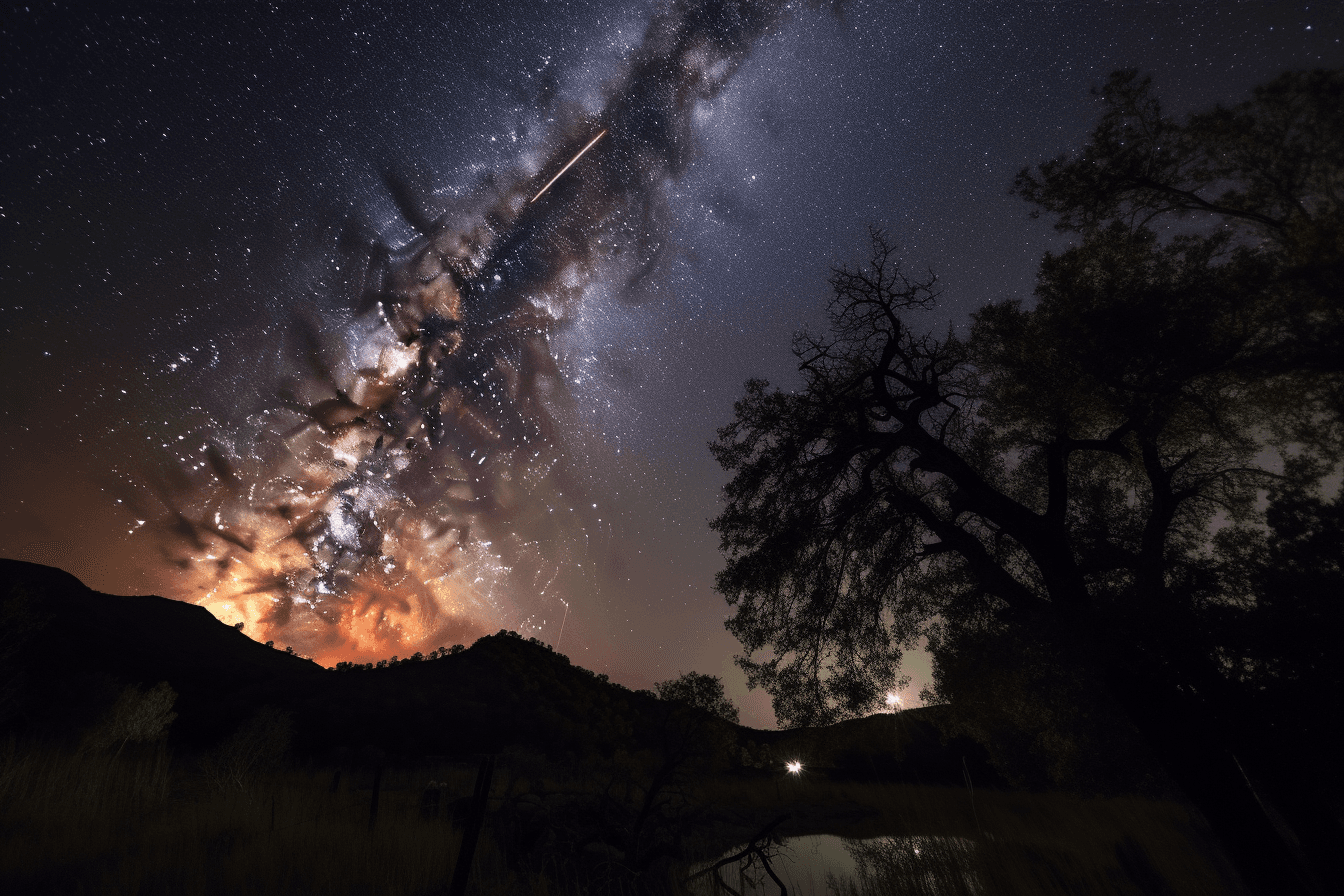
x: 247, y: 279
x: 416, y: 483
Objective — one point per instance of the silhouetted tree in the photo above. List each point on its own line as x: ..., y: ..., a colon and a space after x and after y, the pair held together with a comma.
x: 1286, y: 622
x: 1052, y: 479
x: 1263, y: 174
x: 136, y: 716
x: 1052, y: 470
x: 701, y: 691
x: 258, y: 746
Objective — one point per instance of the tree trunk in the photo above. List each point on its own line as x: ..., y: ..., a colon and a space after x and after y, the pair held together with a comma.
x: 1280, y: 841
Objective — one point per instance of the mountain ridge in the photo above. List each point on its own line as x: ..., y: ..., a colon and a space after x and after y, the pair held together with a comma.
x: 71, y: 650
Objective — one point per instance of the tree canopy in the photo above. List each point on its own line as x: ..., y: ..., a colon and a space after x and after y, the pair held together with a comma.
x: 1264, y: 174
x: 1067, y: 459
x: 1079, y: 478
x: 701, y: 691
x: 1056, y: 467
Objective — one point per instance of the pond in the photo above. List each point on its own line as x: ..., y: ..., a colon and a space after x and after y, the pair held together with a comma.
x: 875, y: 840
x: 825, y: 864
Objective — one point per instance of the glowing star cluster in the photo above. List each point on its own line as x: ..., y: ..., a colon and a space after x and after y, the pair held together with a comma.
x: 418, y: 480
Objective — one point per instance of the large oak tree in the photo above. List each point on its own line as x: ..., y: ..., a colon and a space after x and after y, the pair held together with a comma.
x: 1050, y: 486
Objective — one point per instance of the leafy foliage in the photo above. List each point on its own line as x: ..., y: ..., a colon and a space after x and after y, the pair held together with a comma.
x: 1285, y: 618
x: 1038, y: 498
x: 1269, y: 164
x: 136, y: 716
x: 701, y: 691
x: 1264, y: 175
x: 258, y: 746
x: 1032, y: 473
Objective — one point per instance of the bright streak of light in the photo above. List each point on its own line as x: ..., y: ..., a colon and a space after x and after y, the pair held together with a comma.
x: 600, y: 134
x: 562, y: 624
x: 795, y: 766
x: 893, y: 700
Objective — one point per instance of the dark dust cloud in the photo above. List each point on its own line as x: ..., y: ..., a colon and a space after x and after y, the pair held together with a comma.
x: 284, y: 334
x: 419, y: 482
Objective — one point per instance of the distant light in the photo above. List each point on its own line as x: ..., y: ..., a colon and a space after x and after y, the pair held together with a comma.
x: 794, y: 766
x: 893, y: 700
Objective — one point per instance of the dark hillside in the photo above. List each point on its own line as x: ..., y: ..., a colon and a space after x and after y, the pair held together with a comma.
x: 908, y: 747
x: 73, y: 649
x: 69, y: 650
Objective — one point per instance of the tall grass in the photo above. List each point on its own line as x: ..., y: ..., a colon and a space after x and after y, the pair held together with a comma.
x: 144, y: 823
x: 88, y: 823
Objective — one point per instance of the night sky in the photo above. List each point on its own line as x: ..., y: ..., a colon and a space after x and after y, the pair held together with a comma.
x: 284, y: 333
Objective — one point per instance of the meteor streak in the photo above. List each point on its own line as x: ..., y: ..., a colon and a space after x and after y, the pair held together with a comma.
x: 600, y: 134
x: 419, y: 462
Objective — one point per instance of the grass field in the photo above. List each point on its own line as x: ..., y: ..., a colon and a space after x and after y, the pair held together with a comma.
x: 144, y: 822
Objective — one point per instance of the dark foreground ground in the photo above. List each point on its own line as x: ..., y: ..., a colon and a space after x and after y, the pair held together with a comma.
x: 147, y: 748
x: 146, y: 822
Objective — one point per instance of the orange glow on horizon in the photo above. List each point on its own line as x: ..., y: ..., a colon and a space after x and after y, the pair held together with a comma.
x: 396, y: 608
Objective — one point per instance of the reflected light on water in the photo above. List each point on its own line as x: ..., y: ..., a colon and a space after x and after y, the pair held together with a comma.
x: 826, y: 864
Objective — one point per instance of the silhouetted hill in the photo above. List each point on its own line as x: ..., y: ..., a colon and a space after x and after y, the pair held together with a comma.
x: 73, y: 649
x: 908, y: 746
x: 67, y: 651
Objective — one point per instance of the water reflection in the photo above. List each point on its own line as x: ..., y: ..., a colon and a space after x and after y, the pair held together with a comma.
x: 936, y: 866
x: 824, y: 864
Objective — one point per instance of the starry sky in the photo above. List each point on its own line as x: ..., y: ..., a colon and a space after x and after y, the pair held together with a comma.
x: 286, y: 332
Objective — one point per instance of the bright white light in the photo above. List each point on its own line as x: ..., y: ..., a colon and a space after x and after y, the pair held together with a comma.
x: 893, y: 700
x: 794, y: 766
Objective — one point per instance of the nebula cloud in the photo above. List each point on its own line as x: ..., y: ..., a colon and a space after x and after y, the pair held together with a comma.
x: 419, y: 479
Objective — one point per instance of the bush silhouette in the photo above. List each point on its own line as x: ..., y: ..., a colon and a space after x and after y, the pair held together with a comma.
x: 256, y: 747
x: 138, y: 716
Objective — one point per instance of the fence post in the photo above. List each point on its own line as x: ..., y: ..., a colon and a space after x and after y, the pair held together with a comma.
x: 373, y: 803
x: 473, y: 831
